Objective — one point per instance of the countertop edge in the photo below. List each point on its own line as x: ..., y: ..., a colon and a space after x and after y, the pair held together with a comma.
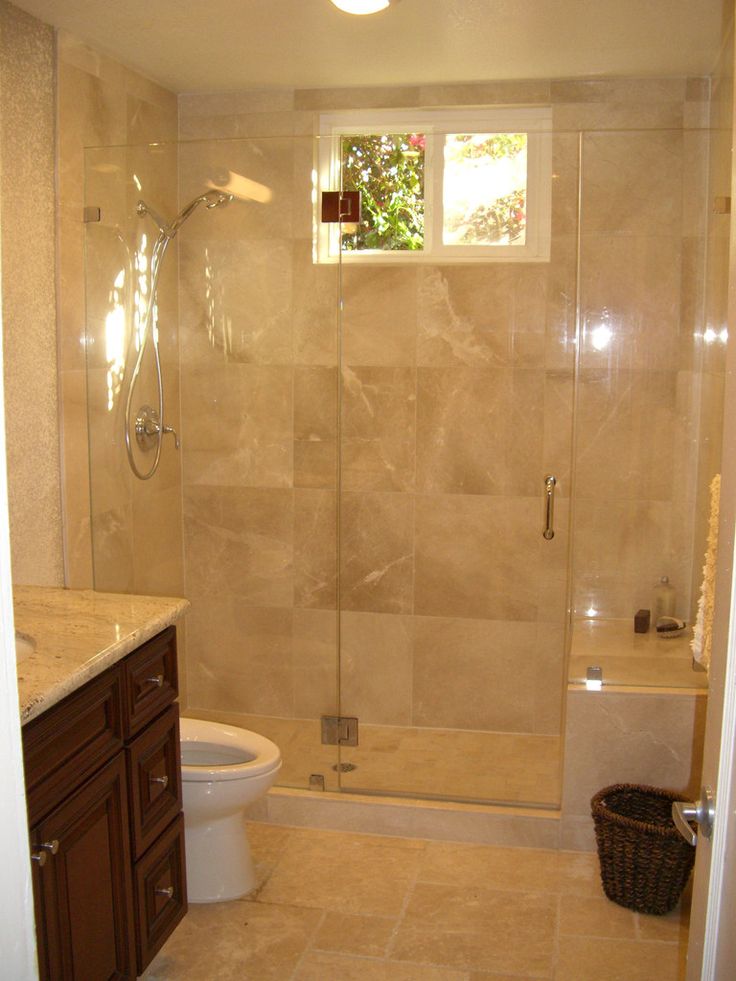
x: 79, y: 675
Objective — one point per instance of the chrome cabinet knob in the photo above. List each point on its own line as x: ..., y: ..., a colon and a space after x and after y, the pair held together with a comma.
x: 157, y: 681
x: 164, y: 781
x: 168, y: 892
x: 45, y: 849
x: 40, y: 858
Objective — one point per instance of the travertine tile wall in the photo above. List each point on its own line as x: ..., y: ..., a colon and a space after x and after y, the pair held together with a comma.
x: 642, y: 261
x: 27, y: 51
x: 136, y: 527
x: 456, y: 400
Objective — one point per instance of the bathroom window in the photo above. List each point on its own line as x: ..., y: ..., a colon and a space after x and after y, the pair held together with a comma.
x: 438, y: 186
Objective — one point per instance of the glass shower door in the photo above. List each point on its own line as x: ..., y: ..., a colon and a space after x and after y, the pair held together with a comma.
x: 456, y: 406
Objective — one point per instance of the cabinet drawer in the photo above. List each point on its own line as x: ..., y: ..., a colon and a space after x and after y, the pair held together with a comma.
x: 160, y: 892
x: 65, y: 745
x: 150, y: 681
x: 155, y: 780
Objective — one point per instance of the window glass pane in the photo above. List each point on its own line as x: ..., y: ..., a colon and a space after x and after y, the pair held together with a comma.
x: 484, y: 189
x: 389, y: 172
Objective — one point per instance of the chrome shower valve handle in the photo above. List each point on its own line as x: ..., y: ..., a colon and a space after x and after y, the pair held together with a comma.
x: 148, y: 429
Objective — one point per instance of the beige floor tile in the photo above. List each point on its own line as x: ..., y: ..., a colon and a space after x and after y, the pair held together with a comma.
x: 580, y: 874
x: 673, y: 927
x: 595, y: 916
x: 478, y: 929
x: 586, y: 958
x: 333, y: 967
x: 238, y: 941
x: 361, y: 874
x: 342, y: 933
x: 527, y: 869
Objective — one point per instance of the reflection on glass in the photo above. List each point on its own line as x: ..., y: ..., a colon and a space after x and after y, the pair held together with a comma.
x: 485, y: 189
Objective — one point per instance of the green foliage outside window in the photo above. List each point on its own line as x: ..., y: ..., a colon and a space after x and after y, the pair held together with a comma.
x: 389, y: 172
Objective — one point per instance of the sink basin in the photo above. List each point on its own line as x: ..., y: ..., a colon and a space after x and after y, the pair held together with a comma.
x: 24, y: 645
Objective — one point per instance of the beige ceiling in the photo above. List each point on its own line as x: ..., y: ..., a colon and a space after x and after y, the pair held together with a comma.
x: 202, y: 45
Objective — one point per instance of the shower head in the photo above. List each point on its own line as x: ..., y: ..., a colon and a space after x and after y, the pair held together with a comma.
x: 210, y: 199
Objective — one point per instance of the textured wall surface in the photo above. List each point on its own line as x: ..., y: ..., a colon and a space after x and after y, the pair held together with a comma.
x: 29, y: 296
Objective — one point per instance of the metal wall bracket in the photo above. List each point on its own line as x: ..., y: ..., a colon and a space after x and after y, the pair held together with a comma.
x: 341, y: 206
x: 91, y: 214
x: 339, y: 730
x: 316, y: 781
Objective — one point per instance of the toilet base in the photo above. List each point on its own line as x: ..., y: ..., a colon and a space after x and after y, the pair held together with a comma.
x: 219, y: 863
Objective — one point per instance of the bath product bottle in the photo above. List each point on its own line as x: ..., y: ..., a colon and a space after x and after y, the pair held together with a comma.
x: 663, y: 600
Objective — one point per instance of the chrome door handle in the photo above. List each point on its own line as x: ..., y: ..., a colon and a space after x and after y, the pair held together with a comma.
x: 701, y: 812
x: 549, y: 490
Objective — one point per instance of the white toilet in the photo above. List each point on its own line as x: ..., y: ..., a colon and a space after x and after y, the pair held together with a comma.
x: 223, y: 769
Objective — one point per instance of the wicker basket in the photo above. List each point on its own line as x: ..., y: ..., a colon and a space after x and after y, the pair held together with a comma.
x: 645, y: 862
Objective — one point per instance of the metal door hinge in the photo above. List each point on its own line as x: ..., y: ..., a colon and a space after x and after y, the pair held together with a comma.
x: 339, y: 730
x: 341, y: 206
x: 316, y: 781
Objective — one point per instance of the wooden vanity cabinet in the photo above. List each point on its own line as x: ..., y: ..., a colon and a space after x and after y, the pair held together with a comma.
x: 103, y: 783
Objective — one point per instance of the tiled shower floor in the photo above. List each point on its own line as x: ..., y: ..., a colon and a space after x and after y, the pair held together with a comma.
x: 342, y: 907
x: 518, y: 768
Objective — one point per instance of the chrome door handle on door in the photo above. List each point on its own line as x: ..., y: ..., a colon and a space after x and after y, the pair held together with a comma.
x: 549, y: 490
x: 701, y: 812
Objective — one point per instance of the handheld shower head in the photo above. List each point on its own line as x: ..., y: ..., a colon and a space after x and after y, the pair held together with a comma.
x: 210, y: 199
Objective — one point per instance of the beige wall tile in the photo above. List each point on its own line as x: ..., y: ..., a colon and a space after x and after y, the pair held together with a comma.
x: 378, y: 429
x: 315, y: 549
x: 376, y: 668
x: 239, y: 541
x: 379, y: 317
x: 315, y: 660
x: 475, y: 555
x: 474, y: 674
x: 376, y: 552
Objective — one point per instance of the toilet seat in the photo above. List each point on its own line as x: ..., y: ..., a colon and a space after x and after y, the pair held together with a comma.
x: 212, y: 751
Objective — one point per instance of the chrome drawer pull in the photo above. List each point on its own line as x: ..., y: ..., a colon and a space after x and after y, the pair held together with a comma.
x: 164, y: 781
x: 168, y: 892
x: 157, y: 680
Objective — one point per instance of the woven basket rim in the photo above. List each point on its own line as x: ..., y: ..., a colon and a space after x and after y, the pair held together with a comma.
x: 599, y: 810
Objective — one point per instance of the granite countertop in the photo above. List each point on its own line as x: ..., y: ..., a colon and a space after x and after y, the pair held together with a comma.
x: 77, y: 635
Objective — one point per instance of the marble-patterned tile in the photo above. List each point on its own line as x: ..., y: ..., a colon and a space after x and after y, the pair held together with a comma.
x: 237, y: 425
x: 479, y: 431
x: 582, y: 958
x: 378, y: 443
x: 379, y: 316
x: 239, y: 657
x: 376, y: 553
x: 632, y: 182
x: 315, y: 549
x: 233, y: 941
x: 316, y: 297
x: 479, y: 691
x: 376, y: 668
x: 239, y: 541
x: 315, y: 661
x: 477, y: 557
x: 236, y: 300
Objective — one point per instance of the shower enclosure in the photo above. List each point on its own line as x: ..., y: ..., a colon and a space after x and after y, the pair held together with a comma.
x: 358, y: 505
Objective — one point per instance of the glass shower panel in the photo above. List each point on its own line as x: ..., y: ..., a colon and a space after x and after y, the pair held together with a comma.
x: 640, y: 475
x: 247, y: 325
x: 456, y: 405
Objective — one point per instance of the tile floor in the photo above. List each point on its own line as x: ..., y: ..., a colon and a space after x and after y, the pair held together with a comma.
x: 420, y: 762
x: 344, y: 907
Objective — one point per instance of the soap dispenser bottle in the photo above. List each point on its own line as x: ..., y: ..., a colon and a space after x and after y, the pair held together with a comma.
x: 663, y: 602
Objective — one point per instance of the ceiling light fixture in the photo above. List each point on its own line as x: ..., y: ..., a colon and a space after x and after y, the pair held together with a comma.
x: 361, y: 6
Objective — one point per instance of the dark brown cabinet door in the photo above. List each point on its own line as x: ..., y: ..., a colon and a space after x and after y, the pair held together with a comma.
x: 84, y: 909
